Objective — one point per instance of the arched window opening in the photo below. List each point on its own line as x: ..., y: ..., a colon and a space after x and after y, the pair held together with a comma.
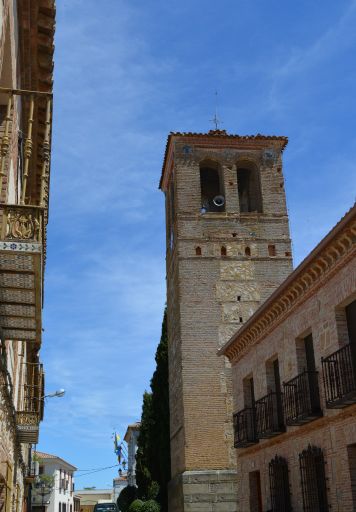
x: 247, y: 251
x: 212, y: 189
x: 248, y: 184
x: 198, y: 251
x: 223, y: 251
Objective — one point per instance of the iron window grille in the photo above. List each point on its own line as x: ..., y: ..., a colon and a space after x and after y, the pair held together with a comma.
x: 301, y: 398
x: 245, y: 428
x: 339, y: 378
x: 279, y: 485
x: 269, y: 415
x: 313, y: 480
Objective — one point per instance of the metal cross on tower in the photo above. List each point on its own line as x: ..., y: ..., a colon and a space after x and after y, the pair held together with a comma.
x: 216, y: 119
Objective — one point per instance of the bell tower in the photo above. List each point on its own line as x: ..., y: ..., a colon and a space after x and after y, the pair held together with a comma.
x: 228, y: 248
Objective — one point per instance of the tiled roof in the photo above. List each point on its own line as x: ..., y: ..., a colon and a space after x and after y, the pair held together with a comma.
x: 219, y: 134
x: 43, y: 455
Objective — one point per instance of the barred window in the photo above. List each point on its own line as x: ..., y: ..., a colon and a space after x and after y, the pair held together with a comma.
x: 312, y: 473
x: 279, y: 485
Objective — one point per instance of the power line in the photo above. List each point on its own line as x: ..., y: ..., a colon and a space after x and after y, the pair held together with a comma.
x: 96, y: 470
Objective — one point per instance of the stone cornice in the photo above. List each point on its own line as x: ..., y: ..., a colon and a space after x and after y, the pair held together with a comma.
x: 334, y: 251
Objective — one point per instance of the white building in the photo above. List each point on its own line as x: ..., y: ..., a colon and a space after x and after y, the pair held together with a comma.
x: 119, y: 483
x: 131, y: 436
x: 60, y: 499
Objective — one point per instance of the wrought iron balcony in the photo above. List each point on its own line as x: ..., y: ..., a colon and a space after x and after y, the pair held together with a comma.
x: 301, y: 398
x: 339, y: 378
x: 269, y: 416
x: 30, y: 413
x: 245, y: 428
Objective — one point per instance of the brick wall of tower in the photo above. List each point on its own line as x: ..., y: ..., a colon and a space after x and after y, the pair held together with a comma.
x: 211, y: 295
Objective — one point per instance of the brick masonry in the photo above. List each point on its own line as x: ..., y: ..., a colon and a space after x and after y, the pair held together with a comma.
x: 321, y: 314
x: 209, y: 297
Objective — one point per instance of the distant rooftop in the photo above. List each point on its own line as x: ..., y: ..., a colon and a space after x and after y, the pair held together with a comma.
x: 46, y: 456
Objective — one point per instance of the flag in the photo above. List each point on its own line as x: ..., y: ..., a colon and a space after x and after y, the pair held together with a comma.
x: 118, y: 453
x: 116, y: 440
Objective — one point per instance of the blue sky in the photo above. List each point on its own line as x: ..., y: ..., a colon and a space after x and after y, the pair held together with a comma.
x: 126, y: 74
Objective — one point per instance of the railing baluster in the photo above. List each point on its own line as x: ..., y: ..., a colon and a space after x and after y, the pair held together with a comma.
x: 5, y: 142
x: 28, y: 149
x: 46, y: 153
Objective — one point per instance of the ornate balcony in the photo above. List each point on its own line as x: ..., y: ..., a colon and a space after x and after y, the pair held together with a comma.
x: 21, y: 272
x: 269, y: 416
x: 245, y: 428
x: 339, y: 378
x: 25, y: 141
x: 30, y: 414
x: 301, y: 399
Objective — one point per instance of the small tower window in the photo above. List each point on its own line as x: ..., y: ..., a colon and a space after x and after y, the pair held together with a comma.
x: 223, y: 251
x: 247, y: 251
x: 248, y: 184
x: 271, y: 250
x: 241, y: 321
x: 198, y: 251
x: 238, y: 298
x: 212, y: 189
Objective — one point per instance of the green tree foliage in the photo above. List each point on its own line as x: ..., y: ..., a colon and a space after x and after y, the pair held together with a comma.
x: 136, y: 506
x: 126, y: 497
x: 150, y: 506
x: 153, y: 470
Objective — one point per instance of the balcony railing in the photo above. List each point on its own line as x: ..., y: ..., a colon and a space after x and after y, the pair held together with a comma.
x: 269, y: 416
x: 30, y: 413
x: 301, y: 399
x: 245, y: 428
x: 32, y: 148
x: 339, y: 378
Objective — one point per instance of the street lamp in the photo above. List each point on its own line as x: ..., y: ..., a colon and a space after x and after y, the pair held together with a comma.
x: 59, y: 393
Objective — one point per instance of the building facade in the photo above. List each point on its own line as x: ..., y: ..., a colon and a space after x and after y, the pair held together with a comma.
x: 90, y: 497
x: 228, y: 248
x: 131, y: 437
x: 26, y: 70
x: 54, y: 488
x: 294, y: 386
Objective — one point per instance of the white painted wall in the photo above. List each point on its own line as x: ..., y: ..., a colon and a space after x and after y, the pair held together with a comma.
x: 56, y: 468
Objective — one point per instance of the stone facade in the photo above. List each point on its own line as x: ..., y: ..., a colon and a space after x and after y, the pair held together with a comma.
x: 315, y: 307
x: 220, y: 266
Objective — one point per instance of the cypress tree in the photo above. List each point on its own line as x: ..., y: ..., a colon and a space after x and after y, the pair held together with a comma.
x: 153, y: 470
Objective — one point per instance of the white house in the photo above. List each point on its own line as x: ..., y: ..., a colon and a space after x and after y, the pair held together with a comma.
x: 131, y: 436
x: 60, y: 498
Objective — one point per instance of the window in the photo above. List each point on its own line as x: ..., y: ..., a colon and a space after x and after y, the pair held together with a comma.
x: 223, y: 251
x: 279, y: 485
x: 247, y: 251
x: 59, y: 507
x: 272, y: 250
x: 255, y: 491
x: 212, y: 190
x: 312, y: 473
x: 248, y: 184
x: 198, y: 251
x: 351, y: 453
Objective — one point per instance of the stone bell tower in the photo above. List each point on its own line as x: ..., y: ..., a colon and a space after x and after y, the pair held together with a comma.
x: 228, y: 248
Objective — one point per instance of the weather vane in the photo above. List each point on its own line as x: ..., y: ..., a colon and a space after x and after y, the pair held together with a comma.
x: 216, y: 119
